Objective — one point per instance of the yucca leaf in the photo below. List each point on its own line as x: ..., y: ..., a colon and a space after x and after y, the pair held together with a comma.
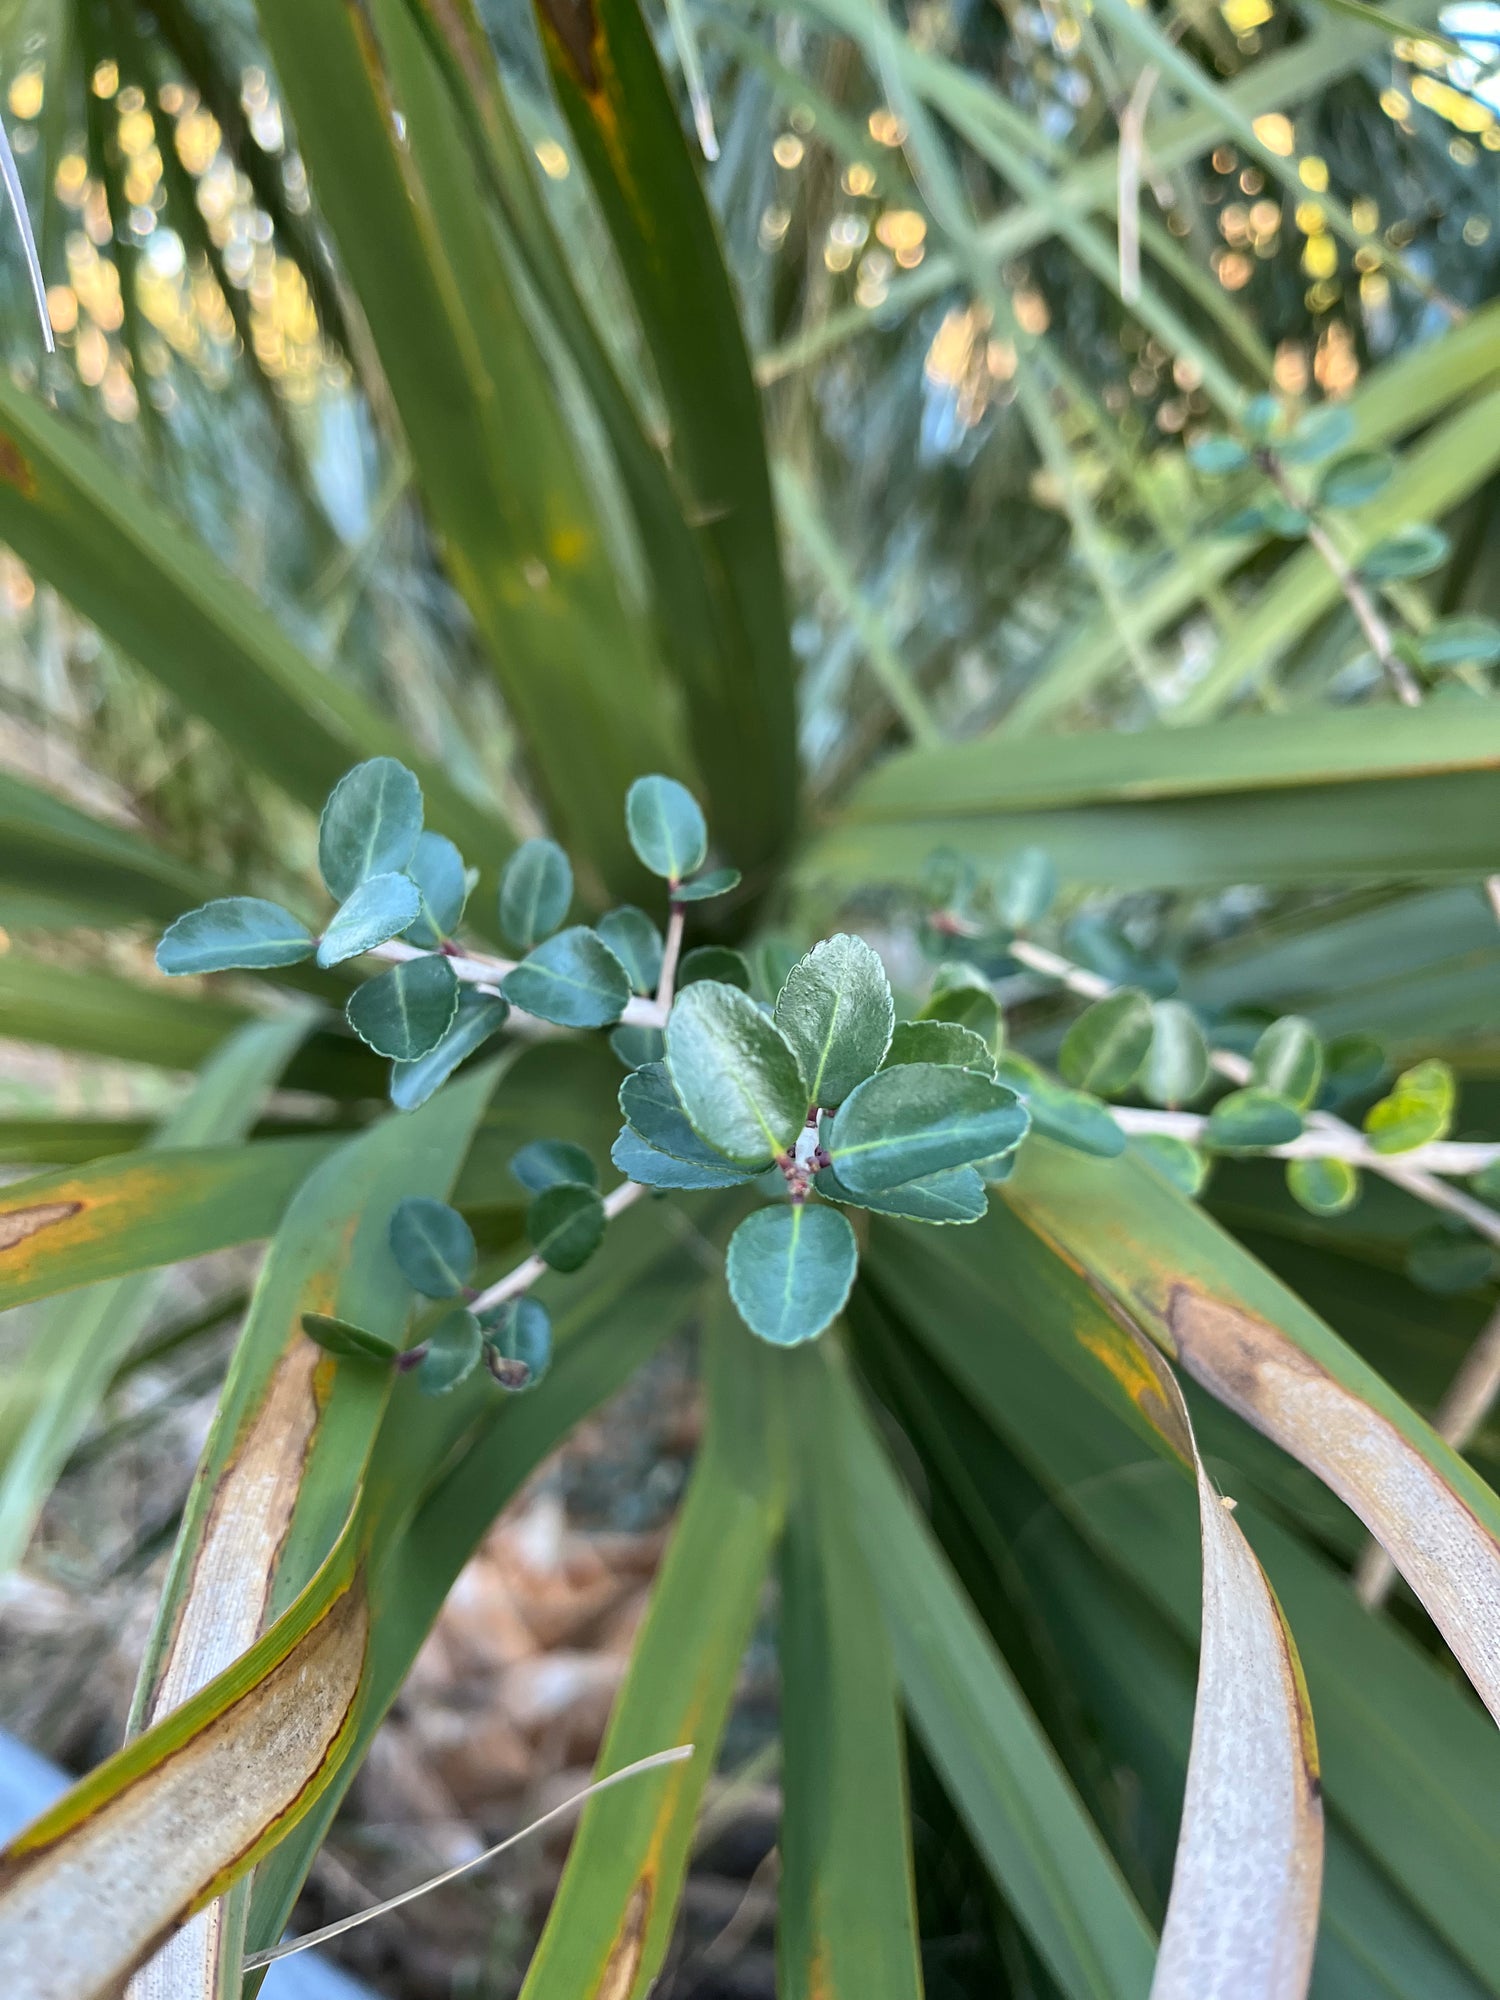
x: 1332, y: 795
x: 96, y: 1013
x: 612, y: 1919
x: 611, y: 90
x: 52, y: 1395
x: 59, y: 866
x: 846, y: 1922
x: 498, y: 469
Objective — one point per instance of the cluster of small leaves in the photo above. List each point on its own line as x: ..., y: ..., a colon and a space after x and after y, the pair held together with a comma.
x: 398, y: 884
x: 1341, y: 481
x: 435, y: 1252
x: 823, y: 1101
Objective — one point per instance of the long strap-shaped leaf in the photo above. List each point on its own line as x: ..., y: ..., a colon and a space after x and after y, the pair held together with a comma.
x: 51, y: 1398
x: 847, y: 1927
x: 292, y: 1433
x: 98, y: 1014
x: 144, y: 579
x: 611, y: 89
x: 499, y: 470
x: 1255, y: 1346
x: 58, y: 865
x: 610, y: 1926
x: 136, y: 1210
x: 1340, y: 794
x: 997, y: 1765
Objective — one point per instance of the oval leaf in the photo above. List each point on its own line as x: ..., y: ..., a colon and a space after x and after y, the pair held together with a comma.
x: 1176, y: 1066
x: 406, y: 1012
x: 1351, y: 481
x: 956, y: 1195
x: 233, y: 933
x: 735, y: 1074
x: 369, y: 825
x: 633, y: 1047
x: 573, y: 980
x: 545, y: 1162
x: 1024, y: 888
x: 433, y: 1245
x: 905, y: 1123
x: 344, y: 1338
x: 453, y: 1348
x: 652, y: 1108
x: 442, y: 882
x: 1288, y: 1060
x: 666, y: 828
x: 790, y: 1270
x: 565, y: 1225
x: 635, y: 942
x: 1069, y: 1116
x: 1461, y: 642
x: 836, y: 1012
x: 1249, y: 1118
x: 379, y: 909
x: 1413, y: 551
x: 714, y: 961
x: 477, y: 1018
x: 1418, y: 1109
x: 535, y: 891
x: 1107, y: 1044
x: 717, y: 882
x: 642, y: 1163
x: 518, y: 1343
x: 938, y: 1042
x: 1322, y: 1187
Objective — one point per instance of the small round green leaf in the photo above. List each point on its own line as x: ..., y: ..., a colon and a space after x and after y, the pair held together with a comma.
x: 939, y: 1042
x: 535, y: 891
x: 453, y: 1348
x: 666, y: 828
x: 344, y: 1338
x: 714, y: 961
x: 546, y: 1161
x: 735, y: 1074
x: 477, y: 1018
x: 573, y: 979
x: 955, y: 1196
x: 1413, y: 551
x: 1288, y: 1060
x: 565, y: 1225
x: 962, y: 995
x: 1071, y: 1117
x: 635, y: 1046
x: 233, y: 933
x: 378, y: 910
x: 1319, y: 435
x: 442, y: 882
x: 1352, y: 481
x: 1105, y: 1047
x: 1418, y: 1109
x: 1176, y: 1066
x: 835, y: 1011
x: 1217, y: 455
x: 1352, y: 1065
x: 1178, y: 1163
x: 1250, y: 1118
x: 406, y: 1012
x: 652, y: 1108
x: 1441, y: 1261
x: 635, y: 942
x: 369, y: 825
x: 1024, y: 888
x: 703, y: 888
x: 790, y: 1270
x: 1460, y: 642
x: 1322, y: 1187
x: 434, y: 1247
x: 637, y: 1161
x: 518, y: 1343
x: 905, y: 1123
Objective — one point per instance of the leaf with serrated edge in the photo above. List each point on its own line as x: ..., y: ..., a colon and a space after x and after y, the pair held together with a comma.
x: 836, y: 1011
x: 573, y: 979
x: 477, y: 1018
x: 650, y: 1105
x: 233, y: 933
x: 938, y: 1042
x: 442, y: 882
x: 405, y: 1013
x: 369, y: 825
x: 737, y: 1077
x: 651, y: 1168
x: 379, y: 909
x: 955, y: 1195
x: 905, y: 1123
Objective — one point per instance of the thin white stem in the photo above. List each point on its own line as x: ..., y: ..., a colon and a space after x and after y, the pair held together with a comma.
x: 477, y: 969
x: 1320, y: 1143
x: 528, y: 1272
x: 671, y: 952
x: 1052, y: 965
x: 257, y: 1959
